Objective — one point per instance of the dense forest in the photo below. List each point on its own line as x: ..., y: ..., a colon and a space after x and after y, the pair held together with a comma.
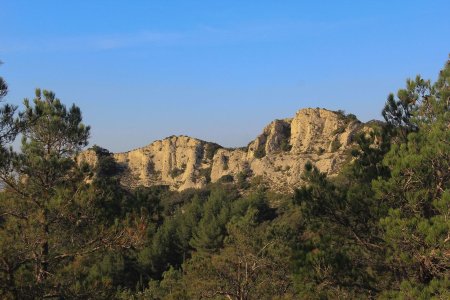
x: 380, y: 229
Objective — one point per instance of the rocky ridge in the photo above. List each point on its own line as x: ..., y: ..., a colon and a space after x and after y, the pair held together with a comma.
x: 277, y: 156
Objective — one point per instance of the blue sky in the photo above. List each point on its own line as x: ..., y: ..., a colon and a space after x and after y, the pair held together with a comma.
x: 216, y: 70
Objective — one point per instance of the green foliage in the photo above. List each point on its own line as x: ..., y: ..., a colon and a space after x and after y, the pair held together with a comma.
x: 399, y: 113
x: 175, y: 172
x: 210, y: 232
x: 286, y: 136
x: 41, y: 179
x: 211, y: 149
x: 242, y: 177
x: 343, y: 215
x: 252, y: 264
x: 260, y: 152
x: 225, y: 160
x: 372, y: 148
x: 3, y: 86
x: 48, y: 204
x: 170, y: 287
x: 8, y: 125
x: 226, y: 179
x: 258, y: 203
x: 418, y: 194
x: 339, y: 130
x: 348, y: 118
x: 106, y: 166
x: 335, y: 145
x: 206, y: 173
x: 351, y: 117
x: 392, y: 235
x: 285, y: 146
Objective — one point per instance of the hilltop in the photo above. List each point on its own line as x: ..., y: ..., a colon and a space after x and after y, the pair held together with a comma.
x: 277, y: 156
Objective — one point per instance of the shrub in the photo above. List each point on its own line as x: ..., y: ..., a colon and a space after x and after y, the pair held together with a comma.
x: 285, y: 146
x: 226, y: 178
x: 225, y: 160
x: 260, y: 152
x: 206, y: 173
x: 339, y: 130
x: 242, y: 176
x: 211, y: 149
x: 335, y: 145
x: 177, y: 171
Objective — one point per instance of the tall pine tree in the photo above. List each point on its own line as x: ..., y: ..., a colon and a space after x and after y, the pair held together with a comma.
x: 417, y: 228
x: 48, y: 220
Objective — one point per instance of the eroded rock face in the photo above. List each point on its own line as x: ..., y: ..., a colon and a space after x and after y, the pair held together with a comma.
x: 278, y: 155
x: 275, y: 138
x: 176, y: 161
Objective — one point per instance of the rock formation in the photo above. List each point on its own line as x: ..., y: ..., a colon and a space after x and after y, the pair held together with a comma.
x: 278, y: 155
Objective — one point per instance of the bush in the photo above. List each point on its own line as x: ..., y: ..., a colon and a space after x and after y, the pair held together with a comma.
x: 242, y: 180
x: 177, y: 171
x: 260, y: 152
x: 206, y: 173
x: 285, y: 146
x: 352, y: 117
x: 225, y: 160
x: 226, y: 178
x: 211, y: 149
x: 335, y: 145
x: 339, y: 130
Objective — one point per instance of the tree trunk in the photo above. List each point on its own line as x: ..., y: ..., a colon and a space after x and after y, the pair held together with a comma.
x: 42, y: 268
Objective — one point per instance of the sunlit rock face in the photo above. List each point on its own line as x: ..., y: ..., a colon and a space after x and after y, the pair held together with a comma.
x: 278, y: 155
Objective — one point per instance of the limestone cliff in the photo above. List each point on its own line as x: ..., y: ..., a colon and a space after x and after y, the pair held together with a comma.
x: 278, y: 155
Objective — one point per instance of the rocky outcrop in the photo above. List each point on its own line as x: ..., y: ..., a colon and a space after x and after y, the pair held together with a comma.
x: 278, y: 155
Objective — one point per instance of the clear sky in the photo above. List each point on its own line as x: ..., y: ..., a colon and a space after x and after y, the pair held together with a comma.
x: 216, y: 70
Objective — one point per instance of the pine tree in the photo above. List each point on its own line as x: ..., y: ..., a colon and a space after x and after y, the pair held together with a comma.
x: 253, y: 264
x: 3, y: 87
x: 189, y: 219
x: 48, y: 216
x: 417, y: 227
x: 337, y: 251
x: 210, y: 232
x: 8, y: 126
x: 399, y: 113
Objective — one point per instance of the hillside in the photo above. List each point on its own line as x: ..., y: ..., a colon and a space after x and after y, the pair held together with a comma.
x: 277, y: 155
